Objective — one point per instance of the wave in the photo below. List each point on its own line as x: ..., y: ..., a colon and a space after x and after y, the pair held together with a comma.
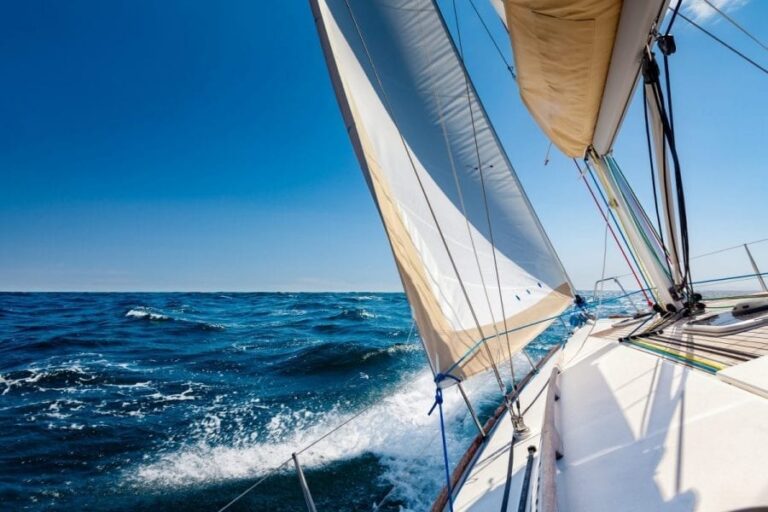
x: 333, y: 357
x: 397, y: 348
x: 366, y: 297
x: 184, y: 417
x: 311, y: 304
x: 396, y: 429
x: 288, y: 312
x: 38, y: 379
x: 147, y: 315
x: 69, y: 341
x: 353, y: 314
x: 175, y: 397
x: 88, y: 371
x: 150, y: 315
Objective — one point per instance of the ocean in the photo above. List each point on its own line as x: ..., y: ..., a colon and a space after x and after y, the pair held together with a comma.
x: 181, y: 401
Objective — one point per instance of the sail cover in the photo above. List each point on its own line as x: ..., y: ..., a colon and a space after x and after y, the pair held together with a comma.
x: 577, y: 64
x: 471, y: 253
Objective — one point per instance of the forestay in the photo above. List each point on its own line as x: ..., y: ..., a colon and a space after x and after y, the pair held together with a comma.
x: 471, y: 253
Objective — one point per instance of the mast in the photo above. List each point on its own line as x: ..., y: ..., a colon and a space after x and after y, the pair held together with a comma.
x: 664, y: 178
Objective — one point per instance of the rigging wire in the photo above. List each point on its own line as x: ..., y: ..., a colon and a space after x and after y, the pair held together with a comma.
x: 460, y: 53
x: 493, y: 40
x: 440, y: 376
x: 602, y: 272
x: 451, y: 160
x: 582, y: 174
x: 274, y: 469
x: 514, y: 77
x: 569, y: 312
x: 730, y: 248
x: 675, y: 12
x: 468, y: 85
x: 252, y: 487
x: 438, y: 228
x: 718, y: 251
x: 594, y: 292
x: 650, y: 75
x: 735, y: 24
x: 487, y: 212
x: 516, y: 419
x: 723, y: 43
x: 304, y: 449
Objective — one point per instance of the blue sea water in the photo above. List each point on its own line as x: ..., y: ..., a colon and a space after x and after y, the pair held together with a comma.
x: 180, y: 401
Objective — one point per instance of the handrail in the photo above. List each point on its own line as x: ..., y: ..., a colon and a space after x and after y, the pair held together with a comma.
x: 551, y: 449
x: 754, y: 267
x: 599, y: 298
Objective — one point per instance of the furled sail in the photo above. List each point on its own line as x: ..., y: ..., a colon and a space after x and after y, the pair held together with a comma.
x: 476, y: 265
x: 577, y: 64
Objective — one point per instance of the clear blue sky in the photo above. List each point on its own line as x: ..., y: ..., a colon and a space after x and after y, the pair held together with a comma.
x: 185, y: 145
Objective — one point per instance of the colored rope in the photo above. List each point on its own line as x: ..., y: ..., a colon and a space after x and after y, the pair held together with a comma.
x: 621, y: 233
x: 616, y: 239
x: 637, y: 215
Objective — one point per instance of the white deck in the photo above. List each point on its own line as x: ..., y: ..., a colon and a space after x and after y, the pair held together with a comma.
x: 640, y: 433
x: 752, y: 376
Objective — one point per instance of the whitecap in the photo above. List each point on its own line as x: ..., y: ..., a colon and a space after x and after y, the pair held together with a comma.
x: 145, y: 313
x: 176, y: 397
x: 137, y: 385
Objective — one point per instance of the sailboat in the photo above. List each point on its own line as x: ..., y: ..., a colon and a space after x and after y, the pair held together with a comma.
x: 666, y: 409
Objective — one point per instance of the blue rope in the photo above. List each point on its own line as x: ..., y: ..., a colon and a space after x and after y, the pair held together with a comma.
x: 439, y: 404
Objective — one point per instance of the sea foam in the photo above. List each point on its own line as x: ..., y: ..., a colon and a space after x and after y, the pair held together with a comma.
x: 396, y: 428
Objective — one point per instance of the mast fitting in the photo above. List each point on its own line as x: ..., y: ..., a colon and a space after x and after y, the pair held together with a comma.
x: 667, y: 44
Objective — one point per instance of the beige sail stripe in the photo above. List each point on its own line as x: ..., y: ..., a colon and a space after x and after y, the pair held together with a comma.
x: 442, y: 342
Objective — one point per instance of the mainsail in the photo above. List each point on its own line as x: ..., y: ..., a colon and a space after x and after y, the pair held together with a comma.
x: 476, y: 265
x: 577, y: 64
